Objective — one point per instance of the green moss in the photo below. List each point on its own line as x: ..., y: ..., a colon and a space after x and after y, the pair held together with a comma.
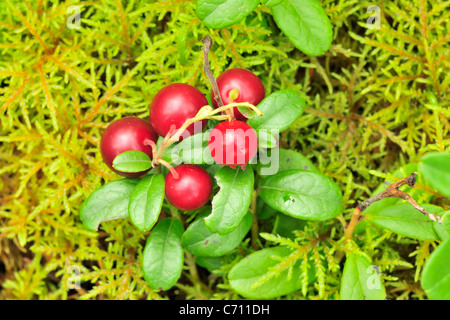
x: 376, y: 101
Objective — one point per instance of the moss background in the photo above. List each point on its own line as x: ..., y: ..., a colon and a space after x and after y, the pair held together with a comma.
x: 376, y: 101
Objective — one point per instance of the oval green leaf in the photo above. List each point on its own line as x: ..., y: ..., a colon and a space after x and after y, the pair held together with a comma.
x: 200, y: 241
x: 132, y: 161
x: 436, y: 169
x: 220, y: 14
x: 280, y: 110
x: 255, y: 276
x: 306, y: 25
x: 146, y: 201
x: 163, y: 254
x: 407, y: 221
x: 285, y: 160
x: 231, y: 203
x: 436, y: 273
x: 302, y: 194
x: 361, y: 280
x: 108, y: 202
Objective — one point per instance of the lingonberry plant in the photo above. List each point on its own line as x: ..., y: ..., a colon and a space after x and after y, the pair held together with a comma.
x: 191, y: 215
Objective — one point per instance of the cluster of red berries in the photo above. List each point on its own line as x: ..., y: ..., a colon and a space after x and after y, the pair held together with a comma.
x: 232, y: 143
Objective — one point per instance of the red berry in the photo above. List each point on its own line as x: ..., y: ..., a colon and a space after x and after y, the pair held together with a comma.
x: 233, y: 143
x: 191, y: 190
x: 174, y: 104
x: 124, y: 135
x: 249, y: 86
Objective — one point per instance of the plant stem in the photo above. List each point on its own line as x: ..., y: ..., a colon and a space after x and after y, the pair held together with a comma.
x: 207, y: 43
x: 254, y: 228
x: 390, y: 192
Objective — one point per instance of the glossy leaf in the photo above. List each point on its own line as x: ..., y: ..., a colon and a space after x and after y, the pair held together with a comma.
x: 436, y: 273
x: 108, y: 202
x: 407, y: 221
x: 361, y: 280
x: 132, y: 161
x: 306, y: 25
x: 232, y: 201
x: 146, y: 201
x: 302, y: 194
x: 220, y: 14
x: 285, y: 160
x: 280, y: 110
x: 436, y: 169
x: 200, y: 241
x: 248, y: 276
x: 163, y: 254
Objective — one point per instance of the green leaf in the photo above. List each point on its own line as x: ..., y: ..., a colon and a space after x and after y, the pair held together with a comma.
x: 280, y: 110
x: 443, y: 230
x: 163, y: 254
x: 108, y: 202
x: 249, y: 277
x: 200, y: 241
x: 361, y: 280
x: 407, y: 221
x: 286, y: 225
x: 436, y: 169
x: 146, y: 201
x: 220, y: 14
x: 194, y: 149
x: 302, y: 194
x: 436, y: 273
x: 132, y: 161
x: 285, y: 160
x: 231, y: 203
x: 271, y: 3
x: 306, y: 25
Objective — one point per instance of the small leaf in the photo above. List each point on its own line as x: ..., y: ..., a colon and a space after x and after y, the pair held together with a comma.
x: 280, y: 110
x: 306, y: 25
x: 107, y: 203
x: 361, y: 280
x: 220, y: 14
x: 249, y: 276
x: 200, y: 241
x: 132, y: 161
x: 302, y: 194
x: 407, y: 221
x: 436, y: 273
x: 163, y: 254
x: 146, y: 201
x: 231, y: 203
x: 436, y: 169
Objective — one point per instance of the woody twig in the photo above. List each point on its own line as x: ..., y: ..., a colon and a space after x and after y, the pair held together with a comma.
x: 390, y: 192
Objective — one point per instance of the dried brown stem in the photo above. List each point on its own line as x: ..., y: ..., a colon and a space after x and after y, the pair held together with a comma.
x: 391, y: 191
x: 207, y: 43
